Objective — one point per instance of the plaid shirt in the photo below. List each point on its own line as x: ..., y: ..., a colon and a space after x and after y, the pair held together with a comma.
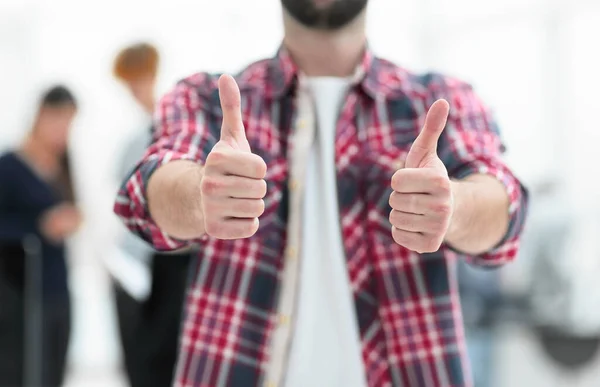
x: 407, y: 304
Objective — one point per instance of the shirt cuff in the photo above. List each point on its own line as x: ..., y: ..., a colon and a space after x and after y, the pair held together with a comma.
x: 132, y: 204
x: 506, y: 250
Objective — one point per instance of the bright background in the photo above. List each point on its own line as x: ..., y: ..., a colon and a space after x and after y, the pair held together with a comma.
x: 534, y: 61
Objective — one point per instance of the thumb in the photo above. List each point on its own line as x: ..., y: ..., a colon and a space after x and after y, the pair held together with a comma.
x: 426, y: 143
x: 232, y: 128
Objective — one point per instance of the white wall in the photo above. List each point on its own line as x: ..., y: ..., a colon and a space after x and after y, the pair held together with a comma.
x: 17, y: 68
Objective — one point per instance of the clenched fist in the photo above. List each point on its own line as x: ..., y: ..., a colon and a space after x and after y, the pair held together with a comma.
x: 422, y: 202
x: 233, y: 185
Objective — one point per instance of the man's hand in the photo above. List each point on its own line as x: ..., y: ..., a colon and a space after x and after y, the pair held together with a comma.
x: 233, y: 185
x: 422, y: 202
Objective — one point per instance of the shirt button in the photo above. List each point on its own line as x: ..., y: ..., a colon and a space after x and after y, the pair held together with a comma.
x: 270, y: 384
x: 293, y: 185
x: 292, y: 253
x: 284, y: 319
x: 301, y: 124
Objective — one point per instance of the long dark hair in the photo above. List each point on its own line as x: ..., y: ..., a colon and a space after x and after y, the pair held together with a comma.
x: 57, y: 97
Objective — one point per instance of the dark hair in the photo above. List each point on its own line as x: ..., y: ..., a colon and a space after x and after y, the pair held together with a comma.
x: 58, y: 96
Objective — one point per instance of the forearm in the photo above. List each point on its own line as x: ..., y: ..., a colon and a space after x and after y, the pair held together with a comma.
x: 174, y: 199
x: 480, y: 218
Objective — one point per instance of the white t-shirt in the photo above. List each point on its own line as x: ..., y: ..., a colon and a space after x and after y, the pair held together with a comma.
x: 326, y: 348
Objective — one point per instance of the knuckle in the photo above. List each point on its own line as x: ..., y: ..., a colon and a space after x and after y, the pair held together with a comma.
x: 402, y: 221
x: 413, y: 203
x: 254, y: 226
x: 411, y: 225
x: 249, y: 229
x: 216, y: 156
x: 397, y: 220
x: 213, y: 227
x: 397, y: 236
x: 261, y: 208
x: 209, y: 186
x: 422, y: 247
x: 260, y: 167
x: 431, y: 246
x: 262, y: 188
x: 393, y: 200
x: 249, y: 207
x: 397, y: 180
x: 441, y: 182
x: 442, y: 209
x: 252, y: 207
x: 402, y: 239
x: 438, y: 225
x: 426, y: 249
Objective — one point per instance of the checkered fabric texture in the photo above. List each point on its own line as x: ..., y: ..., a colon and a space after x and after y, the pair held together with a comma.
x: 407, y: 304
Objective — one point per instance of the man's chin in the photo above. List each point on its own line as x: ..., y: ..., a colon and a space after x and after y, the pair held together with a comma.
x: 323, y: 4
x: 325, y: 15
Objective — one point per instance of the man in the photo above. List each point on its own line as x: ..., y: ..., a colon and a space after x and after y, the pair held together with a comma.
x: 327, y: 218
x: 149, y: 286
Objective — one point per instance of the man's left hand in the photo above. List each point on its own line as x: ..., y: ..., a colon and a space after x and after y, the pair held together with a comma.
x: 422, y: 201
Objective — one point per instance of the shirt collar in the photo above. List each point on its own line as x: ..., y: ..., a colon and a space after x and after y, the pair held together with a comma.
x: 282, y: 75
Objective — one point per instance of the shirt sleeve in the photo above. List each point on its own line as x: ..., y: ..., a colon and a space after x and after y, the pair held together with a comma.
x: 471, y: 144
x: 184, y: 131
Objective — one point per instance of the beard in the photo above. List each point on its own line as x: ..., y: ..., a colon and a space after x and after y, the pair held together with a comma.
x: 332, y: 16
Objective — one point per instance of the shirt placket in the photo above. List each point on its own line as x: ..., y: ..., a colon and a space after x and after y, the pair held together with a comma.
x: 302, y: 139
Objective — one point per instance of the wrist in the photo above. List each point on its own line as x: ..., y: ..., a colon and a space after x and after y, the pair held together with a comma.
x: 456, y: 227
x: 174, y: 200
x: 189, y: 184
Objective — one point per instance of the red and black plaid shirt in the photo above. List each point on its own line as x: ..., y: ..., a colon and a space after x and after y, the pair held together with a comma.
x: 407, y: 304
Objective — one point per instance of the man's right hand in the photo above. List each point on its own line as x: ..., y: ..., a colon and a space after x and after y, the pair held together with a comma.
x: 233, y: 185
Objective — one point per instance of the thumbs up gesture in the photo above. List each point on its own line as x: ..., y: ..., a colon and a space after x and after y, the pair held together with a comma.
x: 233, y: 185
x: 422, y: 201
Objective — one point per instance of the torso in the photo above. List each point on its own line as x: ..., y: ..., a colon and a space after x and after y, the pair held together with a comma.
x: 326, y: 343
x: 404, y: 303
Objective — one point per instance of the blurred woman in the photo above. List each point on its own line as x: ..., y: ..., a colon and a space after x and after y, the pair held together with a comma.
x: 37, y: 201
x: 149, y: 317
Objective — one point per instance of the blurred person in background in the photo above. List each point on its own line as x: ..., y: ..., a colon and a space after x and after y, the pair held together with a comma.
x: 149, y: 286
x: 37, y: 199
x: 481, y: 299
x: 368, y: 186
